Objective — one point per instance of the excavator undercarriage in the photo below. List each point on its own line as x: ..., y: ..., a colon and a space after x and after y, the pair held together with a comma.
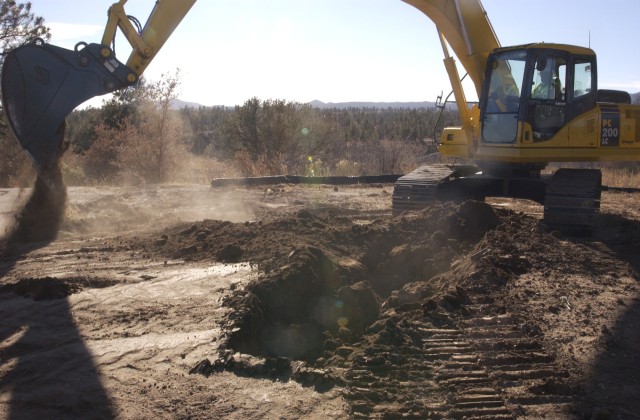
x: 571, y: 197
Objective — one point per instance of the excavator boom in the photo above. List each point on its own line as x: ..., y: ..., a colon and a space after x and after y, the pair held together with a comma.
x: 464, y: 25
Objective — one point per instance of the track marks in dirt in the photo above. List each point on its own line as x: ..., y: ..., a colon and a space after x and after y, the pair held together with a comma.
x: 457, y: 358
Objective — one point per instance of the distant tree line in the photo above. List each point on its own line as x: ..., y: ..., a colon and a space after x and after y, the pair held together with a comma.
x: 136, y: 136
x: 260, y: 137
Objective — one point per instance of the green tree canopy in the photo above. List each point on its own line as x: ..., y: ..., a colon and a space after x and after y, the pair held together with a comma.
x: 19, y: 25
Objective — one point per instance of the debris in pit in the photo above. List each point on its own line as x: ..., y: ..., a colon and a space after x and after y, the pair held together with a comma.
x: 230, y: 253
x: 281, y: 368
x: 358, y: 306
x: 162, y: 241
x: 314, y: 301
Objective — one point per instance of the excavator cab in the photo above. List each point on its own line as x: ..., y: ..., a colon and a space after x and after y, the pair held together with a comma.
x: 533, y: 91
x: 42, y: 84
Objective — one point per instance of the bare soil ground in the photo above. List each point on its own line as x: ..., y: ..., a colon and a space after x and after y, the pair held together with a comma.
x: 312, y: 301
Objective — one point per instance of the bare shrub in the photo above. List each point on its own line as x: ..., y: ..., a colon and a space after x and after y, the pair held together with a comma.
x: 136, y: 153
x: 383, y: 157
x: 624, y: 174
x: 195, y: 169
x: 261, y: 165
x: 145, y: 143
x: 345, y: 167
x: 72, y: 166
x: 15, y: 168
x: 102, y: 160
x: 627, y: 176
x: 151, y: 149
x: 272, y: 137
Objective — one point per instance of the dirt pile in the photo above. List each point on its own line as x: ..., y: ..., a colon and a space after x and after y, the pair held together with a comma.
x: 359, y: 302
x: 326, y: 277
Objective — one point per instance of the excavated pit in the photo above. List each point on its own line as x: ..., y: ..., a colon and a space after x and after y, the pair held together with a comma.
x: 326, y: 277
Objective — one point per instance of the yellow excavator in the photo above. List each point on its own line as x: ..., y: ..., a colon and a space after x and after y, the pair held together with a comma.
x: 538, y: 103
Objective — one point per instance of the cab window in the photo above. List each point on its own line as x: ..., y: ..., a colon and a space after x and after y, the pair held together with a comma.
x: 500, y: 119
x: 549, y: 79
x: 546, y: 111
x: 581, y: 78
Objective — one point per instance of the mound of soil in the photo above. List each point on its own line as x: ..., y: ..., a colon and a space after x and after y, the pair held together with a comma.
x: 47, y: 288
x: 458, y: 311
x: 356, y: 297
x: 326, y: 276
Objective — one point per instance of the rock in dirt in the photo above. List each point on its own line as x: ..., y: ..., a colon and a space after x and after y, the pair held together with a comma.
x: 359, y: 306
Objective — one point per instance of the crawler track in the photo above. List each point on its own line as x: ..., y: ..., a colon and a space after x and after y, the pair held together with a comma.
x: 419, y: 188
x: 572, y: 199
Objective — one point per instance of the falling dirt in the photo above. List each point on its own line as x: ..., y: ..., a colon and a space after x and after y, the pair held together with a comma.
x: 39, y: 219
x: 314, y: 302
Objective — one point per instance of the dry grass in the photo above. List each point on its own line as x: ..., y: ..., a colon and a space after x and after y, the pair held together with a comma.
x: 621, y: 177
x: 201, y: 170
x: 614, y: 174
x: 189, y: 169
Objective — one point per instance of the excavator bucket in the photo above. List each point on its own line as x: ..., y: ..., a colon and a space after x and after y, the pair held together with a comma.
x: 42, y: 84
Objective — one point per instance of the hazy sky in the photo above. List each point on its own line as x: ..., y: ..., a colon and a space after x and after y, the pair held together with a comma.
x: 345, y: 50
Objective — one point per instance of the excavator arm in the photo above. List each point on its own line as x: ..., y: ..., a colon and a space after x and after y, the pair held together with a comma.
x: 164, y: 19
x: 465, y: 27
x: 41, y: 83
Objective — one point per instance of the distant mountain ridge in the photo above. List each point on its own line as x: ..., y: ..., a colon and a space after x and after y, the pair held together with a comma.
x: 179, y: 104
x: 381, y: 105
